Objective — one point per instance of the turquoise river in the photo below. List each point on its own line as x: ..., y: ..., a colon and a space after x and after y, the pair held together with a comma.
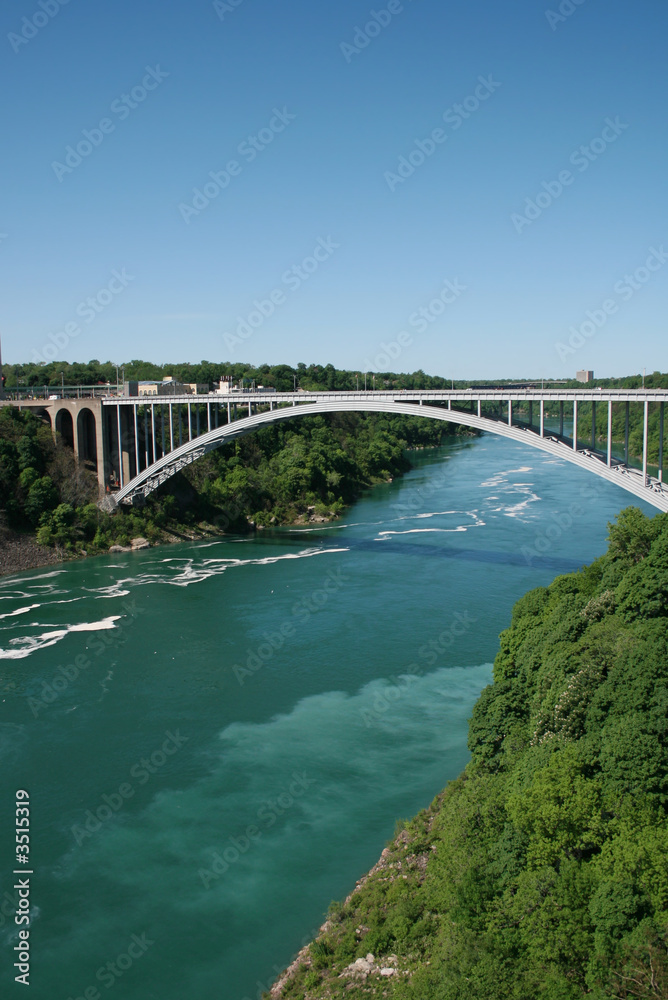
x: 218, y: 738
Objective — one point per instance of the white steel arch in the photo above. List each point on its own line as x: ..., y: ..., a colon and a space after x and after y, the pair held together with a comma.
x: 137, y: 489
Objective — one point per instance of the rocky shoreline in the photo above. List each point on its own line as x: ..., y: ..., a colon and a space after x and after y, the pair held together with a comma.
x: 395, y: 859
x: 19, y: 552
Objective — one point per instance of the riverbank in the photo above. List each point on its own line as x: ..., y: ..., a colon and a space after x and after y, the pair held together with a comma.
x: 20, y: 552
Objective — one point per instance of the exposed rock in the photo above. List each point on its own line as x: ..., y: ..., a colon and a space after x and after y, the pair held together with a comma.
x: 140, y: 543
x: 362, y: 968
x: 120, y: 548
x: 19, y: 552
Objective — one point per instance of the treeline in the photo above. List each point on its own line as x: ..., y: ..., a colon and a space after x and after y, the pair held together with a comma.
x: 543, y: 870
x: 284, y: 378
x: 315, y: 378
x: 313, y: 467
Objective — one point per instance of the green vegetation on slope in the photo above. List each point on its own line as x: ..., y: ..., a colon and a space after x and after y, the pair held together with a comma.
x: 270, y: 477
x: 542, y: 872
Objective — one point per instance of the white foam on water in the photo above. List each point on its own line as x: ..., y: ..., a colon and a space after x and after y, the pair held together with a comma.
x: 423, y: 531
x: 189, y: 570
x: 25, y: 645
x: 21, y: 611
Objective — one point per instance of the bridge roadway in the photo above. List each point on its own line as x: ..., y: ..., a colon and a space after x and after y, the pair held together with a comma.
x: 151, y: 443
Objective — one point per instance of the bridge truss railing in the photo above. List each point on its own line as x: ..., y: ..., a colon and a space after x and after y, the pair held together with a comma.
x: 155, y: 437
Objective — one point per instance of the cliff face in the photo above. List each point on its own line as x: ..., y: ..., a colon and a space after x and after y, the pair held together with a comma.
x: 543, y: 870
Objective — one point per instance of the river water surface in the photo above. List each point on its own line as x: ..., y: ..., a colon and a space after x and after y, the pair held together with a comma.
x: 218, y: 738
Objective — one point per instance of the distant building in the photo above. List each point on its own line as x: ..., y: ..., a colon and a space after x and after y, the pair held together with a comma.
x: 148, y: 388
x: 170, y: 387
x: 225, y: 387
x: 584, y: 376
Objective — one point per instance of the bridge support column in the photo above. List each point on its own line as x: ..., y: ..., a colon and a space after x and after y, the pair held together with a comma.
x: 102, y: 457
x: 135, y: 415
x: 479, y: 408
x: 609, y: 433
x: 644, y: 441
x: 593, y: 425
x: 171, y: 428
x: 124, y: 455
x: 119, y: 441
x: 626, y: 436
x: 510, y: 413
x: 155, y: 456
x: 229, y: 414
x: 530, y: 413
x: 575, y: 425
x: 561, y: 418
x: 146, y: 440
x: 661, y: 442
x: 190, y: 424
x: 542, y: 418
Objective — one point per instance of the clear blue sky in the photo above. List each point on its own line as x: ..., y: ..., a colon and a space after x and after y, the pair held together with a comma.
x: 325, y: 176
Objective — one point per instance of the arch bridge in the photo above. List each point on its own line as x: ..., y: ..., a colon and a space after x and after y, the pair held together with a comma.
x: 150, y: 439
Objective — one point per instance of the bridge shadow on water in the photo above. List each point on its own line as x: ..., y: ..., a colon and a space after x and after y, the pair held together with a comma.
x: 315, y: 537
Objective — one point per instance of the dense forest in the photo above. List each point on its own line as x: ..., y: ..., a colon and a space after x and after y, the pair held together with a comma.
x: 282, y: 377
x: 312, y: 467
x: 541, y: 872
